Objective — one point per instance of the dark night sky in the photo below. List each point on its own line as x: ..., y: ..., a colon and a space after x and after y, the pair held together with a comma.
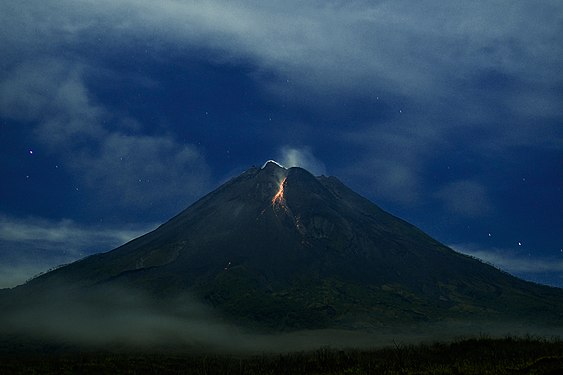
x: 115, y: 115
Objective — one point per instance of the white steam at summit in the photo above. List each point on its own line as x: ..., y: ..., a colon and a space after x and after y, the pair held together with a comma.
x: 302, y: 157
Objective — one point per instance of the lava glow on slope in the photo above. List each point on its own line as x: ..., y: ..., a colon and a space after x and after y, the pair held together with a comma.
x: 279, y: 199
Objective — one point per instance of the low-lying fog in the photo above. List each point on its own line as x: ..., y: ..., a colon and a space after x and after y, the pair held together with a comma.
x: 127, y: 319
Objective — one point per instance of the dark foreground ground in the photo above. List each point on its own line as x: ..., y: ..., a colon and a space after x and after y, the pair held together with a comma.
x: 471, y: 356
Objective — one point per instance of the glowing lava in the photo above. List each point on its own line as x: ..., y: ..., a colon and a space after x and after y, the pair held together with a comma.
x: 279, y: 198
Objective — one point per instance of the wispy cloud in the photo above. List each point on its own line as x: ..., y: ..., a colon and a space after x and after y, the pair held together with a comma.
x: 391, y: 158
x: 32, y: 245
x: 64, y: 234
x: 423, y: 49
x: 465, y: 198
x: 512, y: 261
x: 108, y: 153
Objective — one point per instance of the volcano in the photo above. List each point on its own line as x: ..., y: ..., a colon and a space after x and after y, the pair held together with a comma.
x: 282, y: 249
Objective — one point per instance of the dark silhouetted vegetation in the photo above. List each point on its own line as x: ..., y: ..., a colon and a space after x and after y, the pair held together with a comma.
x: 470, y: 356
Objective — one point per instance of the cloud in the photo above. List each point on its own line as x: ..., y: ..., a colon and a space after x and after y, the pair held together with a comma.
x: 37, y: 89
x: 389, y: 158
x: 107, y: 153
x: 512, y: 261
x: 302, y: 157
x: 465, y: 198
x: 144, y: 171
x: 404, y: 47
x: 392, y: 180
x: 429, y: 50
x: 32, y: 245
x: 63, y: 233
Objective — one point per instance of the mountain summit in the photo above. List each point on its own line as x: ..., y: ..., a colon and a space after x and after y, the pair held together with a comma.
x: 280, y: 248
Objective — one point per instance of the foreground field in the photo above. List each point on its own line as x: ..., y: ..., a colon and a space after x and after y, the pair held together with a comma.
x: 471, y: 356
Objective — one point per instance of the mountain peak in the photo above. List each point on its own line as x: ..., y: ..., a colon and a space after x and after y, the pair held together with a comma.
x: 272, y: 163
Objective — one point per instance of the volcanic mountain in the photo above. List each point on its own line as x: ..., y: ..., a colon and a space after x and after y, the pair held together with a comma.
x: 283, y: 249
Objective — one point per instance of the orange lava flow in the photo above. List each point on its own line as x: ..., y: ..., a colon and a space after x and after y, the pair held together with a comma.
x: 279, y: 198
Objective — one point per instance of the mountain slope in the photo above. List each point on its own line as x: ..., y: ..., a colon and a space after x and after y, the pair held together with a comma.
x: 281, y: 248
